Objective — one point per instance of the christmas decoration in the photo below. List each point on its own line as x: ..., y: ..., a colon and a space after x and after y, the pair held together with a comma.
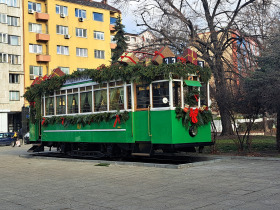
x: 117, y: 120
x: 162, y: 53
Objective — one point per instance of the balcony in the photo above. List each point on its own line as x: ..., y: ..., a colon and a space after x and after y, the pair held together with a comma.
x: 112, y: 27
x: 42, y: 16
x: 42, y: 37
x: 113, y: 45
x: 43, y: 58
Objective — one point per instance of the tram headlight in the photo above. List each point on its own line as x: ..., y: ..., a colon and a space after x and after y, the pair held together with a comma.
x: 193, y: 131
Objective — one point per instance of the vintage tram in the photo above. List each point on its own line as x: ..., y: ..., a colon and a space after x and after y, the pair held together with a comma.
x: 122, y: 110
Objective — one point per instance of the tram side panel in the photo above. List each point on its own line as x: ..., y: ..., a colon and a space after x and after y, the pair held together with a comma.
x: 102, y: 132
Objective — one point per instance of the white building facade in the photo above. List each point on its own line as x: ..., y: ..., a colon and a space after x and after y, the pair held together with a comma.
x: 11, y: 65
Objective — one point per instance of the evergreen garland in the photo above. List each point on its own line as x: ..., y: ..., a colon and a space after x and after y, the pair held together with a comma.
x: 204, y: 117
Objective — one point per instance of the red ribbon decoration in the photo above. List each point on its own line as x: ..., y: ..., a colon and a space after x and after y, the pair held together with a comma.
x: 158, y: 53
x: 62, y: 122
x: 44, y: 119
x: 193, y: 115
x: 196, y: 97
x: 183, y: 60
x: 124, y: 56
x: 117, y: 120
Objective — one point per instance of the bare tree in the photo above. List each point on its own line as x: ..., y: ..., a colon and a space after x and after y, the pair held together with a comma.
x: 209, y: 26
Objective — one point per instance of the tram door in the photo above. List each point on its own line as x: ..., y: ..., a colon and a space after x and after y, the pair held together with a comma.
x: 141, y: 118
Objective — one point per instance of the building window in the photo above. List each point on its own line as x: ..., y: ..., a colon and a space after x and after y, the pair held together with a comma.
x: 98, y: 16
x: 61, y: 29
x: 14, y: 95
x: 113, y: 20
x: 14, y: 78
x: 13, y: 21
x: 3, y: 38
x: 13, y: 59
x: 112, y: 39
x: 3, y: 57
x: 34, y: 6
x: 36, y: 70
x: 35, y: 48
x: 80, y: 13
x: 64, y: 69
x: 81, y: 32
x: 13, y: 40
x: 62, y: 50
x: 61, y: 10
x: 3, y: 18
x: 11, y: 3
x: 99, y: 54
x: 36, y: 28
x: 98, y: 35
x: 81, y: 52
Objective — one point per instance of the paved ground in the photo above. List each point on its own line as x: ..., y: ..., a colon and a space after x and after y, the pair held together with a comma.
x: 54, y: 184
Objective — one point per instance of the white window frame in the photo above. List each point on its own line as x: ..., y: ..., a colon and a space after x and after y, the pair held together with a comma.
x: 66, y: 70
x: 81, y: 13
x: 3, y: 18
x: 62, y: 50
x: 36, y: 70
x: 100, y: 54
x: 35, y: 48
x: 81, y: 32
x: 3, y: 38
x: 61, y: 9
x: 3, y: 58
x: 14, y: 95
x: 81, y: 52
x: 13, y: 58
x: 35, y: 6
x: 12, y: 21
x: 34, y: 27
x: 98, y: 35
x: 10, y: 38
x: 63, y: 30
x: 12, y: 3
x: 14, y: 78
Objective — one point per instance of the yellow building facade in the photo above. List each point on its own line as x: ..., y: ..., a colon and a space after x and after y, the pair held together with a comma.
x: 73, y: 35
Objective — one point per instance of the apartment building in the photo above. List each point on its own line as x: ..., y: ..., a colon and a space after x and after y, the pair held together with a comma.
x: 145, y: 41
x: 70, y: 34
x: 11, y: 65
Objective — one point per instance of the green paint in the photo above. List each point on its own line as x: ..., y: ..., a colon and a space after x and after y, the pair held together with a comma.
x: 193, y: 83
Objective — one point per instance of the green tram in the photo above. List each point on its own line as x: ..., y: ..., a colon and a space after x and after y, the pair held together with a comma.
x: 117, y: 118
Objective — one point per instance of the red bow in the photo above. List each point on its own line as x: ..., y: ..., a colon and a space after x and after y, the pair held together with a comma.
x: 124, y: 56
x: 44, y: 119
x: 62, y: 122
x: 196, y: 97
x: 117, y: 120
x: 193, y: 115
x: 183, y: 60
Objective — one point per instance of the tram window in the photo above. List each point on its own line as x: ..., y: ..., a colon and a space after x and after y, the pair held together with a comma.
x: 72, y: 103
x: 96, y: 86
x: 116, y: 98
x: 189, y: 95
x: 75, y: 90
x: 112, y: 84
x: 89, y: 88
x: 119, y: 83
x: 62, y: 92
x: 82, y: 88
x: 143, y: 96
x: 100, y: 100
x: 203, y: 95
x: 70, y: 91
x: 49, y: 106
x: 60, y: 105
x: 86, y: 102
x: 177, y: 94
x: 128, y: 92
x: 104, y: 85
x: 160, y: 94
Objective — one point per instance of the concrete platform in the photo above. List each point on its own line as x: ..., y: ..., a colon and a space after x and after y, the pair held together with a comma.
x: 33, y: 183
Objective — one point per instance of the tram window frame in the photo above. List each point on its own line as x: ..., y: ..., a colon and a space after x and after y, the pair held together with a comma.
x: 83, y: 90
x: 75, y: 92
x: 187, y: 88
x: 128, y: 96
x: 59, y: 104
x: 180, y: 91
x: 167, y: 105
x: 136, y: 97
x: 47, y: 112
x: 100, y: 87
x: 118, y: 106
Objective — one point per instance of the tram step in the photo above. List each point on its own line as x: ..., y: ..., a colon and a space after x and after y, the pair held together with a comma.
x: 141, y: 154
x: 36, y: 148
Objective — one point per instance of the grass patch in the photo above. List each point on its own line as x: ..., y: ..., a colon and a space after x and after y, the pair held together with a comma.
x: 265, y: 145
x: 103, y: 164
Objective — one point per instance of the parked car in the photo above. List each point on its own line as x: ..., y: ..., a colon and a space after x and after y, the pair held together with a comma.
x: 7, y: 139
x: 26, y: 138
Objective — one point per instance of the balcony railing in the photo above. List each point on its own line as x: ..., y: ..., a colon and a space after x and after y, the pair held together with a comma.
x: 42, y: 16
x: 43, y: 58
x: 42, y: 37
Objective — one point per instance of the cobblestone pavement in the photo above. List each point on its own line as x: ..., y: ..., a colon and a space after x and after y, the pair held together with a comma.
x: 62, y: 185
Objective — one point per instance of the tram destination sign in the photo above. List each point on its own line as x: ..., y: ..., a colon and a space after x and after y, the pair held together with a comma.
x: 169, y: 60
x: 77, y: 80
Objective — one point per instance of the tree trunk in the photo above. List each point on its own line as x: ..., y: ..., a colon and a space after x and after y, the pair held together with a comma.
x: 278, y: 131
x: 265, y: 124
x: 225, y: 118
